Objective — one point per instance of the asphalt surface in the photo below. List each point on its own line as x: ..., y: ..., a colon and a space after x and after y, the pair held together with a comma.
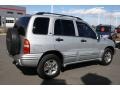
x: 90, y: 73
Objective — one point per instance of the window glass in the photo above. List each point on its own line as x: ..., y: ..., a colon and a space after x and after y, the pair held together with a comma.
x: 103, y: 28
x: 58, y: 28
x: 20, y: 13
x: 23, y: 21
x: 41, y: 26
x: 85, y: 31
x: 64, y: 27
x: 9, y: 21
x: 10, y: 12
x: 21, y: 25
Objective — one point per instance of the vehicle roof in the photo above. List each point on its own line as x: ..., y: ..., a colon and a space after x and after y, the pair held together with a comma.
x: 54, y: 15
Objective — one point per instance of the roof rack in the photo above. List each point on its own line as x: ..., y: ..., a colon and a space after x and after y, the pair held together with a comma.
x: 41, y: 13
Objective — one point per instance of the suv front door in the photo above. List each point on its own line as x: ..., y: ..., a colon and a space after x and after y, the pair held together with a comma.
x: 88, y: 42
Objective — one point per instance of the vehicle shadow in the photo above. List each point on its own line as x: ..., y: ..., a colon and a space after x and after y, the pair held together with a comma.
x: 28, y: 70
x: 32, y: 71
x: 80, y: 65
x: 53, y: 82
x: 94, y: 79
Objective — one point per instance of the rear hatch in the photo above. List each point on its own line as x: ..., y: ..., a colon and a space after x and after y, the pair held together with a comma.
x: 21, y: 27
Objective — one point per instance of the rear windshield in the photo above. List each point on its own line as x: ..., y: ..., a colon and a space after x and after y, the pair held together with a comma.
x: 103, y: 28
x: 21, y: 25
x: 23, y: 21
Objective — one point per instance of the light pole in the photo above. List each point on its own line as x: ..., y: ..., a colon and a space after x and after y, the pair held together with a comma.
x: 116, y: 20
x: 99, y: 14
x: 116, y: 16
x: 51, y: 8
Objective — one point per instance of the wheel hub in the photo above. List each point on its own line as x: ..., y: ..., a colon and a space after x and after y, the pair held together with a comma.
x: 50, y: 67
x: 108, y: 57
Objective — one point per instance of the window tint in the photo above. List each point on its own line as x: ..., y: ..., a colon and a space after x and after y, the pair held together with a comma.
x: 21, y: 25
x: 20, y: 13
x: 22, y: 22
x: 41, y: 26
x: 9, y: 21
x: 103, y: 28
x: 64, y: 27
x: 58, y: 28
x: 85, y: 31
x: 10, y: 12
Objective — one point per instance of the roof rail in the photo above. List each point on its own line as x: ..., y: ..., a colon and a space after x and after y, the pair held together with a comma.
x: 41, y: 13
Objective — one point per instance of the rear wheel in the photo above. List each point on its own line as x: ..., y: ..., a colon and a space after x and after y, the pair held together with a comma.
x: 107, y: 57
x: 49, y: 67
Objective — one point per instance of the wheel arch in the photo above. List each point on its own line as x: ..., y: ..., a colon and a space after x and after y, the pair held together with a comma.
x: 111, y: 48
x: 57, y: 53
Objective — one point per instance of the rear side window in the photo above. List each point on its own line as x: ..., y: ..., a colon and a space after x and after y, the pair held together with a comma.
x: 41, y: 25
x: 64, y: 27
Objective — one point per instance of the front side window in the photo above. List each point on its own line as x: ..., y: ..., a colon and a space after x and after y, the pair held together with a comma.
x: 41, y: 25
x: 64, y: 27
x: 85, y: 31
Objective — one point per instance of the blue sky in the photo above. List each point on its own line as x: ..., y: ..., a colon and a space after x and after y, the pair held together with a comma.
x: 93, y: 14
x: 57, y: 8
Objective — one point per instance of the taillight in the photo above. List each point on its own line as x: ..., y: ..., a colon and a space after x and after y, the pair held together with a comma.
x: 26, y: 46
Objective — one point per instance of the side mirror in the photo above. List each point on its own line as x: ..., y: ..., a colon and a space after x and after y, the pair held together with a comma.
x: 98, y: 37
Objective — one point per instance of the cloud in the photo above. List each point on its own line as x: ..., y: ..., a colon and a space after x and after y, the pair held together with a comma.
x: 92, y: 11
x: 116, y: 14
x: 86, y: 11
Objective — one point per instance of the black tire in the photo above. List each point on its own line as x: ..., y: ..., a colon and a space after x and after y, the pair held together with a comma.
x: 104, y: 60
x: 42, y: 63
x: 13, y: 42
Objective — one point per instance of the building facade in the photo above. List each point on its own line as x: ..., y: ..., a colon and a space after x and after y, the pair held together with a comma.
x: 9, y: 14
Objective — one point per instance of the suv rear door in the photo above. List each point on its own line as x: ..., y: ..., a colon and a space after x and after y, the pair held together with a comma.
x: 89, y: 48
x: 65, y: 39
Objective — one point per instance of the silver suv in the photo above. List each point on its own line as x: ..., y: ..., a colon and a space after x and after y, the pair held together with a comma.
x: 51, y: 41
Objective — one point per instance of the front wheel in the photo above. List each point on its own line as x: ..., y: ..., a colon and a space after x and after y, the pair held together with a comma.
x: 107, y: 57
x: 49, y: 66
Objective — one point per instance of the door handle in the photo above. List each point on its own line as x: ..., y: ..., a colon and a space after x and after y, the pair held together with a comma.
x: 59, y: 39
x: 83, y: 40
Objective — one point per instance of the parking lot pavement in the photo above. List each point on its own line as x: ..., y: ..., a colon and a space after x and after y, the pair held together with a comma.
x: 89, y: 73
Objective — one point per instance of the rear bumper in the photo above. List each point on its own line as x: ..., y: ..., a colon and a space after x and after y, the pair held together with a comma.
x: 30, y: 60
